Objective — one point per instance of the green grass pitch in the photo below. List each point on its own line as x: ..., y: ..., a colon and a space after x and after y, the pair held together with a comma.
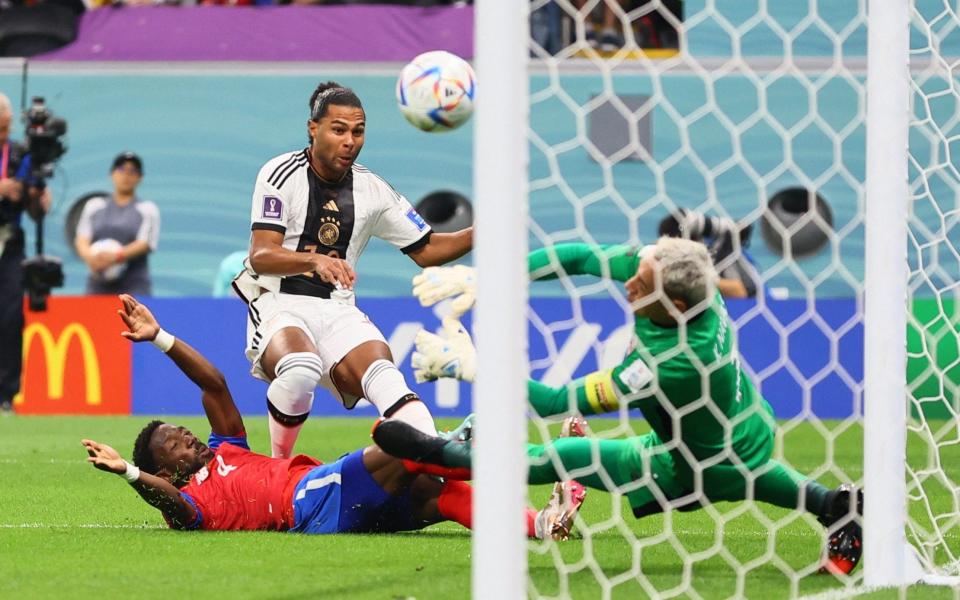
x: 68, y: 531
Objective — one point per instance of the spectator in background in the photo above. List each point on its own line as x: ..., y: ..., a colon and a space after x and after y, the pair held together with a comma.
x: 16, y: 197
x: 610, y: 39
x: 115, y: 234
x: 738, y: 277
x: 230, y: 267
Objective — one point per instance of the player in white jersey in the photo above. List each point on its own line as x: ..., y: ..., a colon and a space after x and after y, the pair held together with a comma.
x: 314, y: 210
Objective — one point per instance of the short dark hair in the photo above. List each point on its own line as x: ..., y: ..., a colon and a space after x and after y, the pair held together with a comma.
x: 331, y: 92
x: 142, y: 453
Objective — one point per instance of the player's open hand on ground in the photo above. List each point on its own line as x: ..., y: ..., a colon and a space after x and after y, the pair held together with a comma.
x: 438, y: 283
x: 140, y: 322
x: 335, y: 270
x: 104, y: 457
x: 450, y: 354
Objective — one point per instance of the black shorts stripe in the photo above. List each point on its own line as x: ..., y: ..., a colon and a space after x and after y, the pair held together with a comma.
x: 236, y: 289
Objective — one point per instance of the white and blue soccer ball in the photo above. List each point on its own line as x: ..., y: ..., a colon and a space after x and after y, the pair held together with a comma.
x: 435, y: 91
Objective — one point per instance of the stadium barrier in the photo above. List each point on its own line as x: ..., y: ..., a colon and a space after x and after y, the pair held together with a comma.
x: 77, y: 363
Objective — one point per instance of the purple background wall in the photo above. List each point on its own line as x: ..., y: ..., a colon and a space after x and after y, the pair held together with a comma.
x: 283, y: 33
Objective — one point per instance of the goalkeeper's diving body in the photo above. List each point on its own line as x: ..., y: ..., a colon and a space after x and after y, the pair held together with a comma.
x: 712, y: 435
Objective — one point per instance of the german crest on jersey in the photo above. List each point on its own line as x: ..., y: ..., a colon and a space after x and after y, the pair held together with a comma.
x: 329, y: 231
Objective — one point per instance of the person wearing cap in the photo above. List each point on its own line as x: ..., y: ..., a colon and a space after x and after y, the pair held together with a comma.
x: 115, y: 234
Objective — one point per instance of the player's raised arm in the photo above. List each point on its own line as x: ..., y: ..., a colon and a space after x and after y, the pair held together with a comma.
x: 157, y: 492
x: 221, y: 411
x: 617, y: 262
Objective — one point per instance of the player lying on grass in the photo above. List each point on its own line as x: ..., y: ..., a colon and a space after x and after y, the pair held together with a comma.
x: 222, y: 485
x: 712, y: 435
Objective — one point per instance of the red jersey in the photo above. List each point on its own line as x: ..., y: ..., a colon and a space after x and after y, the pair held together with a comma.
x: 242, y: 490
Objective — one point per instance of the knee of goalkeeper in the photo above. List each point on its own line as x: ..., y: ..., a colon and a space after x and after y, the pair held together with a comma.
x: 449, y: 354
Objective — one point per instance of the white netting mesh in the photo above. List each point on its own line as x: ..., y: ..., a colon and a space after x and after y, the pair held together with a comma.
x: 934, y: 366
x: 761, y: 102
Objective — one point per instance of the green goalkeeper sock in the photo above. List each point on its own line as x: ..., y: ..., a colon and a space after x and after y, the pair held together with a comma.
x: 782, y: 486
x: 581, y: 453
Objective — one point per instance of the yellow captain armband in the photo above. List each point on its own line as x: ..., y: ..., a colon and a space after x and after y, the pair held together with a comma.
x: 601, y: 391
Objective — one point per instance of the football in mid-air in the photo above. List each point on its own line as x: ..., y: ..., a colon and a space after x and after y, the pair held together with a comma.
x: 435, y: 91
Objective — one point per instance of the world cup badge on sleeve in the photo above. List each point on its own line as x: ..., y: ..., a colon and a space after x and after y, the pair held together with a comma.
x: 272, y: 208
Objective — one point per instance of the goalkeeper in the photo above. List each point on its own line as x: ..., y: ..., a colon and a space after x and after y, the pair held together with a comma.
x: 712, y: 432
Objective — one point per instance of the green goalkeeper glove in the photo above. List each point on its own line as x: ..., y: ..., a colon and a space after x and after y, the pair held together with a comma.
x: 450, y: 354
x: 438, y: 283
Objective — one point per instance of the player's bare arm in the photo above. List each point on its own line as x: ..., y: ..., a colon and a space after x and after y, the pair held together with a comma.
x: 156, y: 491
x: 269, y: 257
x: 218, y: 404
x: 443, y: 248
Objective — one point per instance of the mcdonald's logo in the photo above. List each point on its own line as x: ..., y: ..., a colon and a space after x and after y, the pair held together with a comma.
x: 74, y: 360
x: 55, y: 353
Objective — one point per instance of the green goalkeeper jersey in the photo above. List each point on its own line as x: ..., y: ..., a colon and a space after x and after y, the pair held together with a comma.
x: 686, y: 380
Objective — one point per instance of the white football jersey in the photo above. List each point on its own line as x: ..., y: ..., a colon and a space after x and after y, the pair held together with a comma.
x: 336, y: 219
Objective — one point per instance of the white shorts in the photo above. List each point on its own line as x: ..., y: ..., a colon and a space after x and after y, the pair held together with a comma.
x: 334, y: 327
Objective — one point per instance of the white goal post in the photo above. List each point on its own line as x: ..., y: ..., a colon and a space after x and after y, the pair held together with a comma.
x: 500, y: 188
x: 892, y: 554
x: 887, y: 561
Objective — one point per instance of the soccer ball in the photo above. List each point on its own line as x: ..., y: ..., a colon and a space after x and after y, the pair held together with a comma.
x: 435, y: 91
x: 113, y: 272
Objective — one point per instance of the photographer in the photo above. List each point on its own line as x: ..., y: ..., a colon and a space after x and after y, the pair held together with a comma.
x: 116, y: 233
x: 738, y: 277
x: 18, y: 194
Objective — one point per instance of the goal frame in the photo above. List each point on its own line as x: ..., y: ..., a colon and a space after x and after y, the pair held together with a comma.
x: 501, y: 191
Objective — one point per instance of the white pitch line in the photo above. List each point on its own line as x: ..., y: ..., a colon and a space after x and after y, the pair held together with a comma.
x: 76, y: 526
x: 47, y: 461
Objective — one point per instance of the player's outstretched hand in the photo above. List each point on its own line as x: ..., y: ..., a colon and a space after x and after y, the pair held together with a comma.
x: 335, y: 270
x: 450, y: 354
x: 140, y: 322
x: 104, y: 457
x: 438, y: 283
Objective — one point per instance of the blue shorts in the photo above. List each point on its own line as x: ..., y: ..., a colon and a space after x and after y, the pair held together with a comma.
x: 342, y: 497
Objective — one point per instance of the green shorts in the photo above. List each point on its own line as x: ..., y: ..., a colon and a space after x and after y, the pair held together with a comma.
x: 670, y: 481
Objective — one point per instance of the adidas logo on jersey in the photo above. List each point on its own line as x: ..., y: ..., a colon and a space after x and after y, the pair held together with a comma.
x: 331, y: 206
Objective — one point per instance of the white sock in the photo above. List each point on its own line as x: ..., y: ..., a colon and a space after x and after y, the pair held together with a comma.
x: 383, y: 386
x: 282, y: 438
x: 416, y: 414
x: 291, y: 395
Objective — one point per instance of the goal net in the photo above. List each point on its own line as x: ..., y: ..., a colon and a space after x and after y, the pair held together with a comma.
x: 743, y: 125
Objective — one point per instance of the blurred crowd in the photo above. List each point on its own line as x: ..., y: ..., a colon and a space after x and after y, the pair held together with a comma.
x: 79, y: 6
x: 607, y: 25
